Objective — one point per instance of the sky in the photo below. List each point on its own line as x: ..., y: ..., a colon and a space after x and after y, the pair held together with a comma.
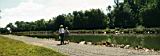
x: 32, y: 10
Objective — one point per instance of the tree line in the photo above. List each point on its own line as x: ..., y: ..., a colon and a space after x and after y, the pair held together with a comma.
x: 127, y: 14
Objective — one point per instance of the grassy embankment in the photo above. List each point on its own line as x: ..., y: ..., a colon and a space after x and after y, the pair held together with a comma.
x: 10, y: 47
x: 147, y: 38
x: 150, y: 41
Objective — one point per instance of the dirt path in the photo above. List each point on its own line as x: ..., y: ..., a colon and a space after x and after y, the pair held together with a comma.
x: 74, y: 49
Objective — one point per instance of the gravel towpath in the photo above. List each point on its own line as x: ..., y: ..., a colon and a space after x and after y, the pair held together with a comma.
x: 74, y: 49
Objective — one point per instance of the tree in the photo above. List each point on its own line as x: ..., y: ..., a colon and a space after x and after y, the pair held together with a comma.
x: 96, y: 19
x: 60, y: 20
x: 50, y: 25
x: 109, y: 8
x: 22, y: 26
x: 127, y: 14
x: 116, y: 2
x: 150, y: 14
x: 69, y: 20
x: 90, y: 19
x: 11, y: 26
x: 3, y: 30
x: 111, y: 20
x: 76, y: 21
x: 41, y: 25
x: 123, y: 17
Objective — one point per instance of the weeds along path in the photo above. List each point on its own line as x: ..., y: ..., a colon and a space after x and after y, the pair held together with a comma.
x: 74, y: 49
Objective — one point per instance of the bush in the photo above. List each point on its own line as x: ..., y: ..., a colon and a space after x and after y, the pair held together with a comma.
x: 3, y: 31
x: 127, y: 39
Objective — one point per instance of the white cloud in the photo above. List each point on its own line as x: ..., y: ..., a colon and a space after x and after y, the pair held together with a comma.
x: 32, y: 10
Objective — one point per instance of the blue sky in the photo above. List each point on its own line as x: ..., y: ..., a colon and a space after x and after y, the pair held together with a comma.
x: 9, y: 3
x: 31, y: 10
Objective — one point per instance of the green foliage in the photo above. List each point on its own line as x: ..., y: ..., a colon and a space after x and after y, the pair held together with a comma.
x: 3, y: 30
x: 132, y: 13
x: 9, y: 47
x: 11, y: 26
x: 139, y: 30
x: 151, y: 42
x: 60, y: 20
x: 151, y: 17
x: 127, y: 14
x: 133, y: 40
x: 93, y: 19
x: 89, y: 19
x: 39, y: 25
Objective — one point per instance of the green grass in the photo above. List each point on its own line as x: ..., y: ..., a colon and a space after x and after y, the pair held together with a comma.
x: 151, y: 41
x: 144, y: 40
x: 89, y: 38
x: 10, y: 47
